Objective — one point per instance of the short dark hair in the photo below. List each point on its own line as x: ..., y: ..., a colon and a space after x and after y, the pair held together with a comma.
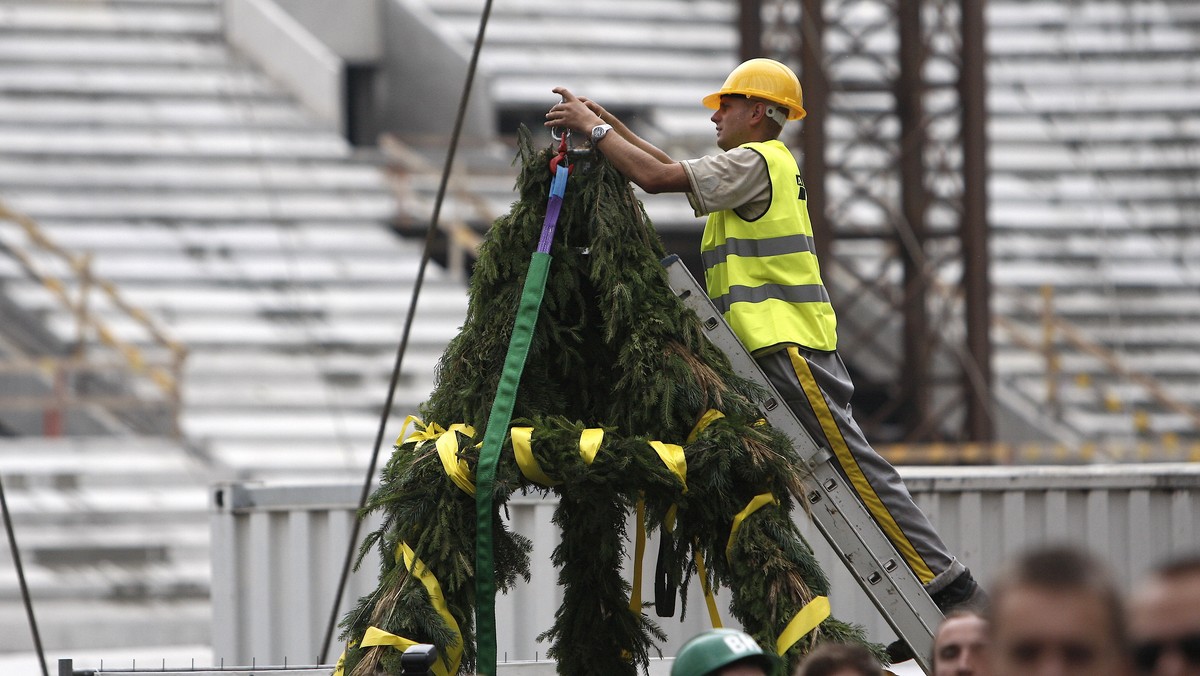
x: 1062, y: 568
x: 952, y: 615
x: 962, y: 611
x: 829, y: 658
x: 1177, y: 566
x: 775, y: 126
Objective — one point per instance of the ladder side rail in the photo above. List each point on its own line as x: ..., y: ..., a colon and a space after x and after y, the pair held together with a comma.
x: 837, y: 511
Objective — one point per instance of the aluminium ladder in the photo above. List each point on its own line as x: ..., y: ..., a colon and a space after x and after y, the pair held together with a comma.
x: 836, y: 509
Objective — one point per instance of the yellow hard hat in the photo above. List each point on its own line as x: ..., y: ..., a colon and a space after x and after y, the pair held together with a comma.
x: 765, y: 79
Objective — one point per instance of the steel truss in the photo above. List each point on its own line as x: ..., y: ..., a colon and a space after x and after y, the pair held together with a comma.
x: 894, y: 160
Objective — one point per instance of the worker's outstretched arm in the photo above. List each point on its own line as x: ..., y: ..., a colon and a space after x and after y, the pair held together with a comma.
x: 650, y: 168
x: 627, y: 133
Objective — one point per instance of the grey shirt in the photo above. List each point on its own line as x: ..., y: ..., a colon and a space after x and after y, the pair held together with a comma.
x: 736, y: 179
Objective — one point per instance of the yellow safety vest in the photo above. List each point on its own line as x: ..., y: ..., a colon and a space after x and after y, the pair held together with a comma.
x: 763, y: 275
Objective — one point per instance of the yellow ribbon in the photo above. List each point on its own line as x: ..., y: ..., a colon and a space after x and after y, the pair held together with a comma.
x: 417, y: 567
x: 755, y: 504
x: 639, y: 551
x: 590, y: 440
x: 374, y: 636
x: 709, y: 600
x: 669, y: 519
x: 589, y: 443
x: 805, y: 620
x: 423, y: 433
x: 447, y: 447
x: 672, y: 457
x: 522, y: 441
x: 456, y: 468
x: 707, y: 419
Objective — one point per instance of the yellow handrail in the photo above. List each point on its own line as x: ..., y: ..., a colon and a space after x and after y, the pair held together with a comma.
x: 463, y: 241
x: 1054, y: 326
x: 165, y: 379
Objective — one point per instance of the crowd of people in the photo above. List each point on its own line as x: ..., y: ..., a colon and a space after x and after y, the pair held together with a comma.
x: 1053, y: 611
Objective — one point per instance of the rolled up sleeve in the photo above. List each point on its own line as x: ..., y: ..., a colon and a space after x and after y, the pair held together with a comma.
x: 730, y: 180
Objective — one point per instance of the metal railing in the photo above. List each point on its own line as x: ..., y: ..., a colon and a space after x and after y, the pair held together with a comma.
x: 77, y: 294
x: 462, y: 241
x: 66, y: 667
x: 1057, y: 332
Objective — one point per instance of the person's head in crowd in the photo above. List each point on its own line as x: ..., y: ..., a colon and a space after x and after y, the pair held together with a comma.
x: 1056, y: 612
x: 960, y: 645
x: 723, y: 652
x: 840, y: 659
x: 1164, y: 619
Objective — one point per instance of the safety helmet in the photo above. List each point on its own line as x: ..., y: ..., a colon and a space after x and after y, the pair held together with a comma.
x: 765, y: 79
x: 706, y: 653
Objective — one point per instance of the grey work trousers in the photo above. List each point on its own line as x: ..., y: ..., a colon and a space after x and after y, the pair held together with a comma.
x: 817, y: 388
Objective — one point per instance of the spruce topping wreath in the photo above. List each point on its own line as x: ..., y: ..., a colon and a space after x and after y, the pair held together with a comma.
x: 624, y: 407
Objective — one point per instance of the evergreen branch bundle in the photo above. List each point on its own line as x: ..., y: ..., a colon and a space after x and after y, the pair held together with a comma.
x: 613, y: 349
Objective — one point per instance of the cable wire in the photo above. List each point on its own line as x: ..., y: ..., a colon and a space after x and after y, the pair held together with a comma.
x: 16, y: 555
x: 368, y: 480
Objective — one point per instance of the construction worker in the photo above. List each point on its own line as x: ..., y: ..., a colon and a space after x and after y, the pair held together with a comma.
x: 723, y: 652
x: 762, y: 272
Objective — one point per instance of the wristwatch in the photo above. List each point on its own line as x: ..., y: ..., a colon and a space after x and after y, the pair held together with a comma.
x: 599, y: 131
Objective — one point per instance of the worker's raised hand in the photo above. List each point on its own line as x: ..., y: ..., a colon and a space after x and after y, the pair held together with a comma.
x: 597, y: 109
x: 572, y: 113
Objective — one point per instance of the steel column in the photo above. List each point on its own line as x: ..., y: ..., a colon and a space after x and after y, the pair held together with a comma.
x: 750, y: 29
x: 895, y: 153
x: 912, y: 231
x: 815, y: 85
x: 972, y: 87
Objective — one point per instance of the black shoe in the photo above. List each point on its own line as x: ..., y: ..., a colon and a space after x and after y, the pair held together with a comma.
x: 962, y: 592
x: 898, y: 651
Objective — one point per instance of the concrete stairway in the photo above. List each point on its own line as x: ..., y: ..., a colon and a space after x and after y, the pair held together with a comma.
x: 216, y: 203
x: 113, y: 538
x: 1094, y: 195
x: 255, y: 236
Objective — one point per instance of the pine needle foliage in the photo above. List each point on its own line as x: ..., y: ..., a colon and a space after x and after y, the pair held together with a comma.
x: 613, y: 349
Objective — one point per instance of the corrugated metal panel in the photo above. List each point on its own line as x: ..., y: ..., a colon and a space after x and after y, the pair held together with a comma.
x: 1132, y: 516
x: 278, y: 553
x: 278, y: 550
x: 277, y: 557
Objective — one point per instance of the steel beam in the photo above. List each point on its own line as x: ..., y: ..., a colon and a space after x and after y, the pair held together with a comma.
x: 977, y: 289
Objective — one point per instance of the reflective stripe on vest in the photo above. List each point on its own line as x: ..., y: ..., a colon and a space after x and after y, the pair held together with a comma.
x: 763, y: 275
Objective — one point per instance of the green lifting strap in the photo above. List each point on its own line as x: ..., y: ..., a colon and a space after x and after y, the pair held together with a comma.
x: 497, y: 429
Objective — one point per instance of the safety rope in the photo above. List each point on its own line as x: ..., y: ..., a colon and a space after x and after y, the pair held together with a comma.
x: 501, y: 416
x: 369, y: 479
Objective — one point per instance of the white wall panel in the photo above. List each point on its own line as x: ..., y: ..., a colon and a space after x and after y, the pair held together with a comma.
x: 278, y: 549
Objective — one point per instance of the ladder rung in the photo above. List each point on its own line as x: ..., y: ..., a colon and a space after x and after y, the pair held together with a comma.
x: 836, y: 509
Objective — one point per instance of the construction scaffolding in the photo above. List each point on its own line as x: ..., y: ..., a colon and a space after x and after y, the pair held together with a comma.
x: 894, y: 159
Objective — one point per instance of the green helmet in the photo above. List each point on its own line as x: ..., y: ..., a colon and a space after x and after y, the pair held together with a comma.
x: 706, y: 653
